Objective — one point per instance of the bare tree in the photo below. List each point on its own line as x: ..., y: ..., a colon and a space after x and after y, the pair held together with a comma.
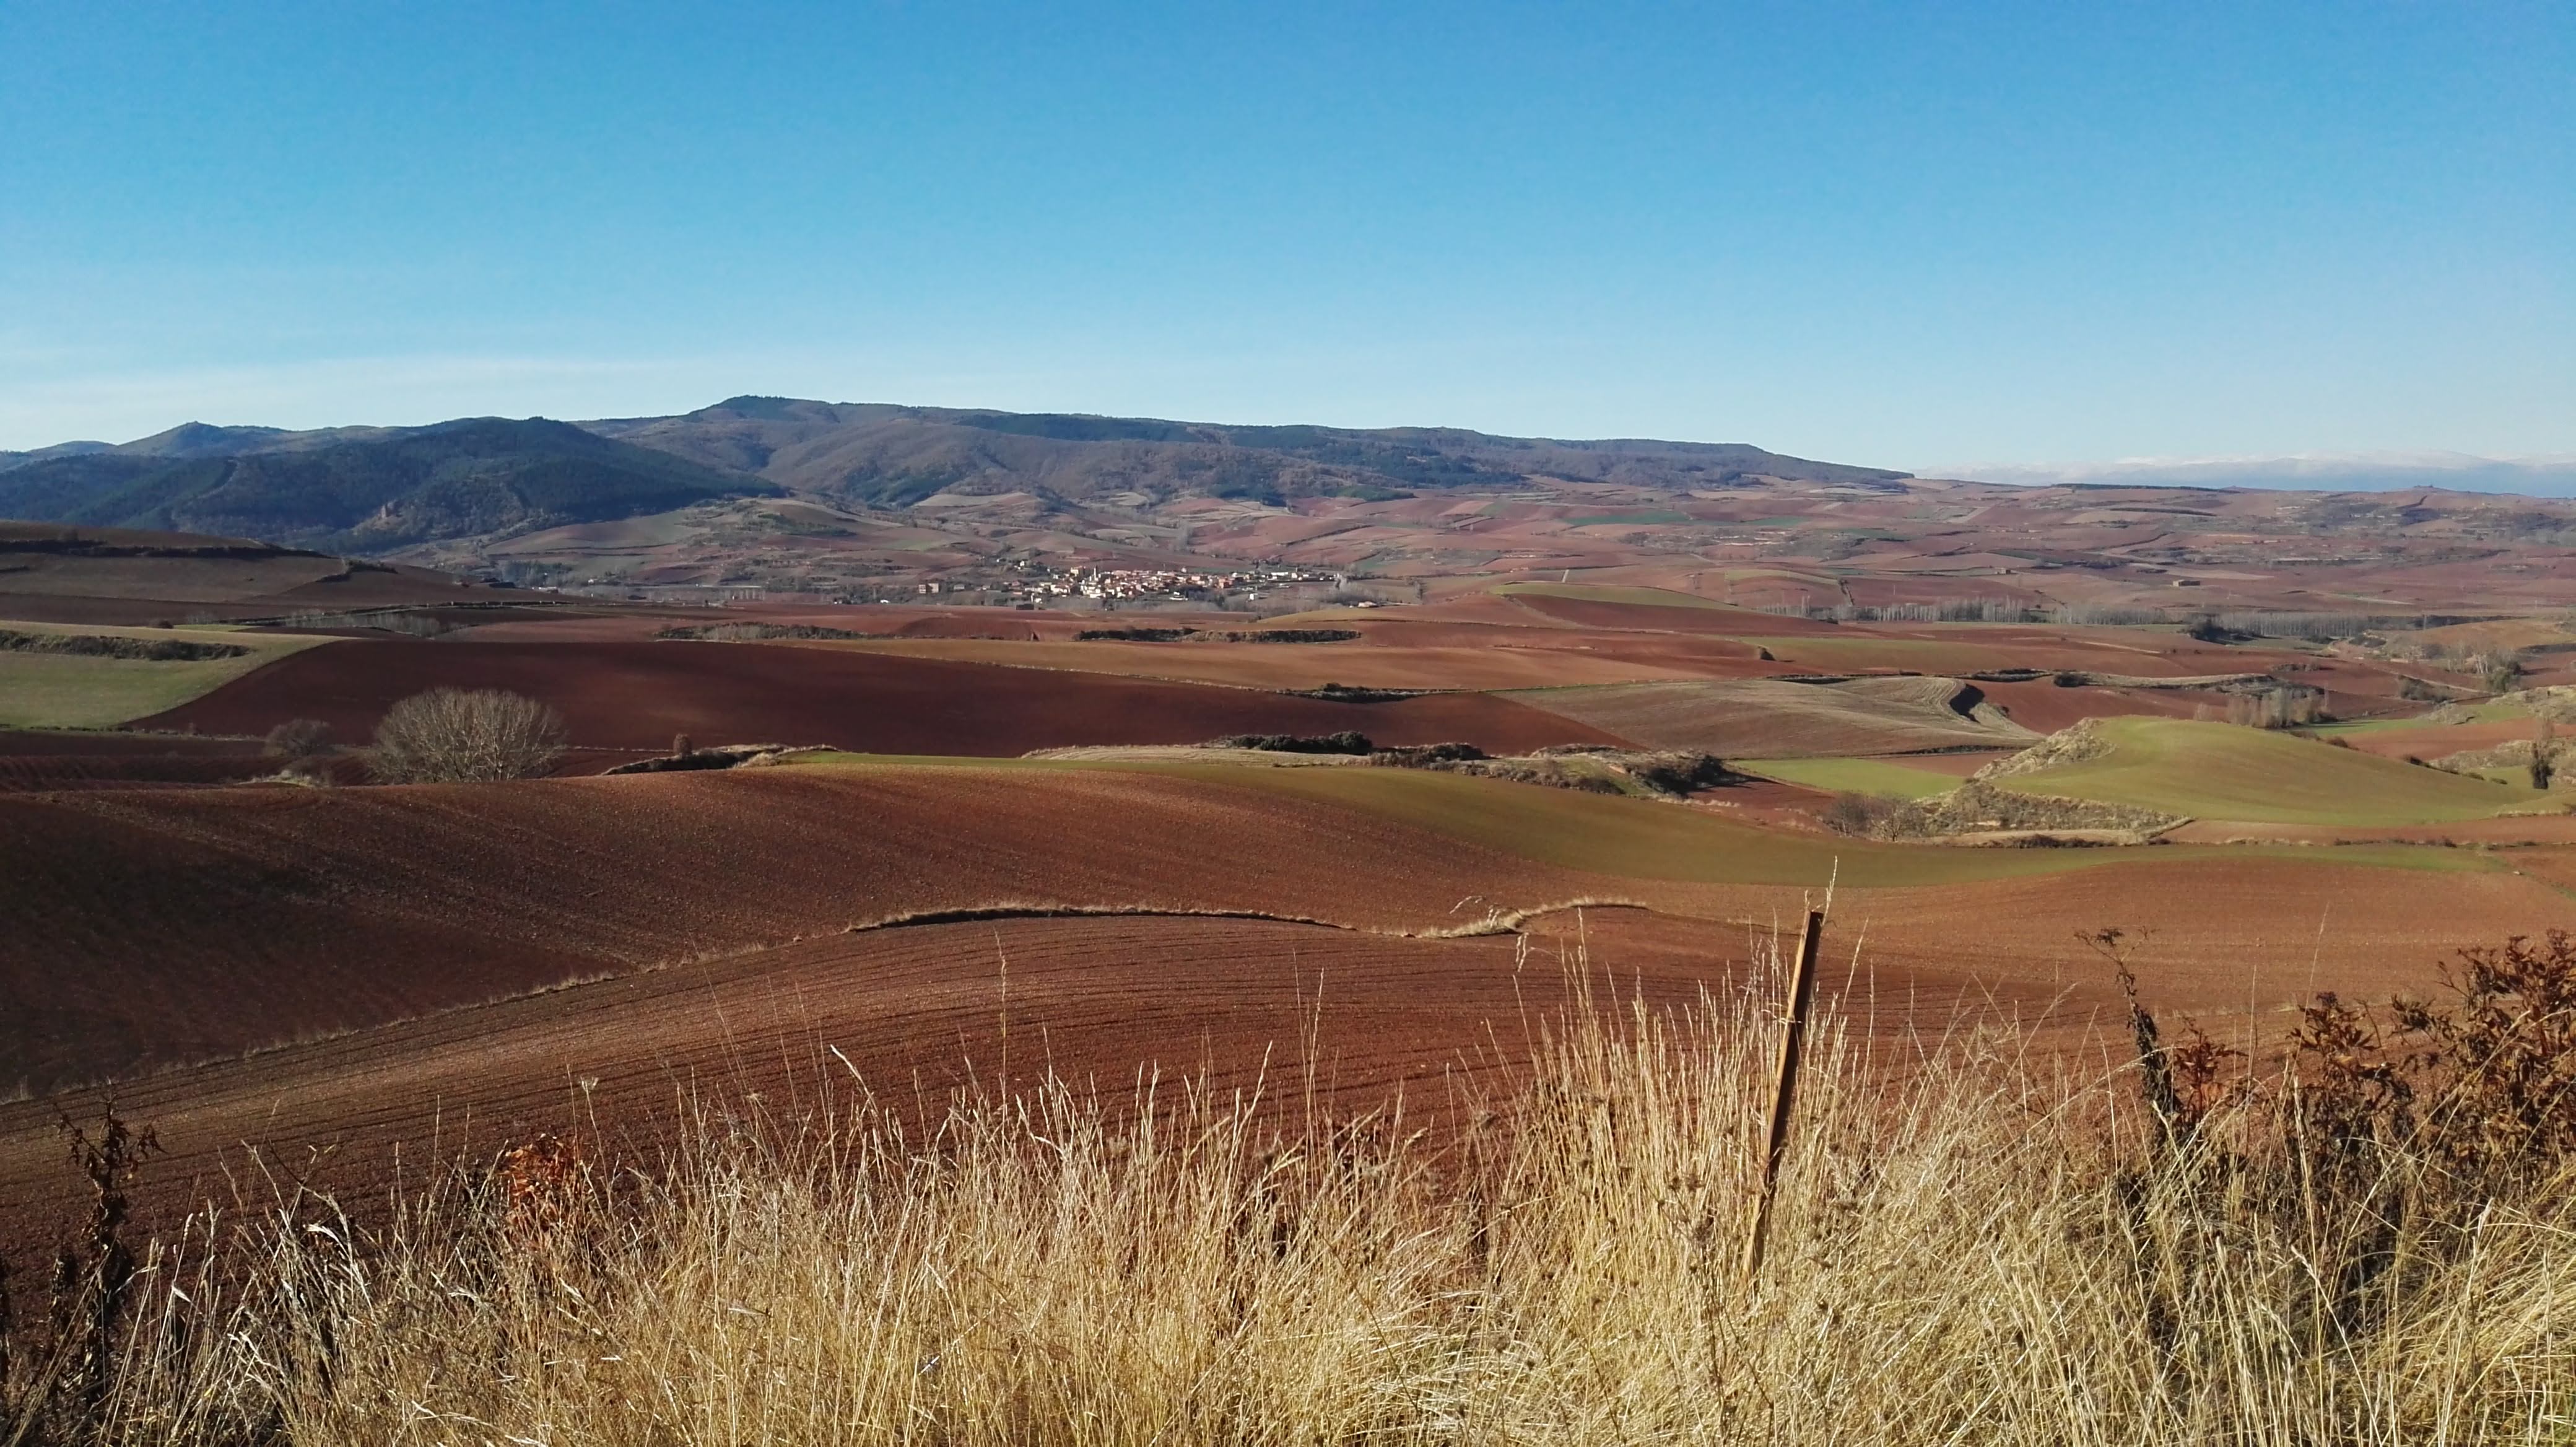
x: 1860, y: 815
x: 451, y: 735
x: 2279, y: 707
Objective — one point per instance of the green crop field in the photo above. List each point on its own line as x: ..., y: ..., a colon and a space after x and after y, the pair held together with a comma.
x: 2221, y: 771
x: 63, y: 690
x: 1646, y: 839
x: 1856, y: 776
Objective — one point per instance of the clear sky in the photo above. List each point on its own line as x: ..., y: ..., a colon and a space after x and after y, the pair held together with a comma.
x: 1899, y: 235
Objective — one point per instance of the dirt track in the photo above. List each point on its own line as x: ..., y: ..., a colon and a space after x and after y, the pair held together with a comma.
x: 637, y: 695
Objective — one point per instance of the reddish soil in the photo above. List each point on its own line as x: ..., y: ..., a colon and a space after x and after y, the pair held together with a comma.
x: 80, y: 759
x: 910, y: 1010
x: 120, y: 744
x: 1768, y: 803
x: 591, y: 623
x: 36, y: 773
x: 913, y: 1012
x: 2433, y: 741
x: 1527, y: 658
x: 2043, y: 707
x: 637, y: 695
x: 154, y: 927
x: 2213, y: 930
x: 150, y: 928
x: 1669, y: 618
x: 142, y: 590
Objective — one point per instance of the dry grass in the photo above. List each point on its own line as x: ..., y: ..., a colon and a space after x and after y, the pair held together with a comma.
x: 1968, y: 1247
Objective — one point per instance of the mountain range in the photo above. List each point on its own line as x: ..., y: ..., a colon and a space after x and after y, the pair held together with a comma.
x: 2541, y: 476
x: 373, y: 489
x: 888, y: 456
x: 360, y: 490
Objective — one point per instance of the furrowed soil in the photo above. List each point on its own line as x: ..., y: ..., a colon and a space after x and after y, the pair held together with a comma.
x: 910, y: 1012
x: 1773, y: 718
x: 637, y: 695
x: 1525, y: 658
x: 907, y: 1013
x: 50, y: 759
x: 152, y: 928
x: 126, y: 577
x: 156, y: 927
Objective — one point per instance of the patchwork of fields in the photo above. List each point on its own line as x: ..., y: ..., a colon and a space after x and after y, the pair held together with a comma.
x: 355, y: 968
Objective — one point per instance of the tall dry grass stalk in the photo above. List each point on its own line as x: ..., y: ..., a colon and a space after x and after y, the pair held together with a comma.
x: 1966, y: 1247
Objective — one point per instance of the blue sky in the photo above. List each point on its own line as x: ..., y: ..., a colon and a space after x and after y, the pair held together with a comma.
x: 1900, y: 235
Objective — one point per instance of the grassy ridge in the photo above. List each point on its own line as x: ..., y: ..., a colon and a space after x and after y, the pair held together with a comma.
x: 62, y: 690
x: 1645, y: 839
x: 2221, y: 771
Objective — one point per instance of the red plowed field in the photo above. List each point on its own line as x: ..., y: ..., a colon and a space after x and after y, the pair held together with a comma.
x: 153, y: 927
x: 156, y: 927
x: 637, y: 695
x: 1660, y: 618
x: 907, y: 1011
x: 33, y: 759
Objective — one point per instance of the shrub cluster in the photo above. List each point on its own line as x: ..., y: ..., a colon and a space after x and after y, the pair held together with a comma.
x: 1419, y: 755
x: 1354, y: 693
x: 754, y: 632
x: 1341, y: 743
x: 2283, y: 707
x: 1681, y: 772
x: 108, y: 645
x: 1246, y: 635
x: 1292, y: 635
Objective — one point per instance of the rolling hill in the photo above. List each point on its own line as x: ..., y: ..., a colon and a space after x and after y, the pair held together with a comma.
x: 379, y: 490
x: 872, y: 501
x: 867, y: 454
x: 2222, y: 771
x: 881, y: 455
x: 363, y: 490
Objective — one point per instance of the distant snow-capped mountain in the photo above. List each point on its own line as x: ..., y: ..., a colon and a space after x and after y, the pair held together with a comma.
x: 2549, y: 475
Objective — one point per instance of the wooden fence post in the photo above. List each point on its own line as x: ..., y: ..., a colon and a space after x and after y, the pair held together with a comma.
x: 1784, y: 1086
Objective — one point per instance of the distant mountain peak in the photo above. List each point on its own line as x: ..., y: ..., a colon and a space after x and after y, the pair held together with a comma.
x: 2539, y: 476
x: 762, y: 409
x: 202, y: 439
x: 885, y: 455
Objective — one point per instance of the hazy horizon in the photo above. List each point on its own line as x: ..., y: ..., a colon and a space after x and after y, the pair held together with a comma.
x: 1875, y: 234
x: 2547, y: 475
